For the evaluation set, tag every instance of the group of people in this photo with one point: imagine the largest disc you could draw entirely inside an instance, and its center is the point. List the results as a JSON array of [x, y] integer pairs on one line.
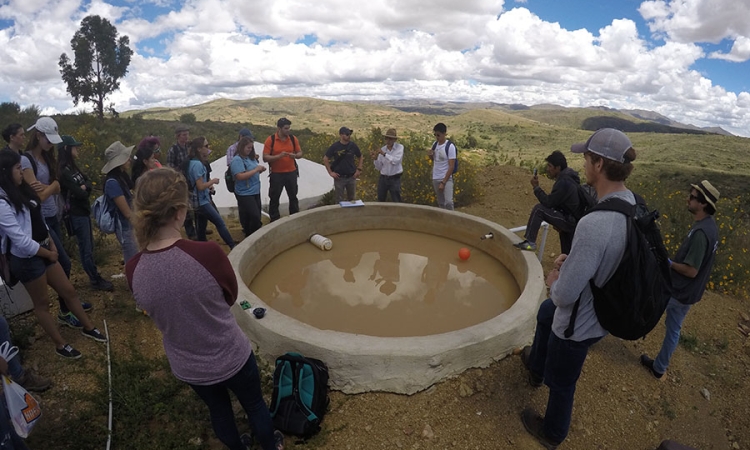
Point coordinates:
[[595, 251]]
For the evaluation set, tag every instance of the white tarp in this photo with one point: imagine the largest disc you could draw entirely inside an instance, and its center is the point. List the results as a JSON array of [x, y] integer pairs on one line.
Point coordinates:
[[313, 183]]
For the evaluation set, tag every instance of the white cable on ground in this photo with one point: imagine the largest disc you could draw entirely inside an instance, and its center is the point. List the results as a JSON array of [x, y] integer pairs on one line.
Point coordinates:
[[109, 377]]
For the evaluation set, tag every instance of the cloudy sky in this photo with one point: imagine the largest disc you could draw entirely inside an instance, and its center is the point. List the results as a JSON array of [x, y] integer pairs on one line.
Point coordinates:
[[686, 59]]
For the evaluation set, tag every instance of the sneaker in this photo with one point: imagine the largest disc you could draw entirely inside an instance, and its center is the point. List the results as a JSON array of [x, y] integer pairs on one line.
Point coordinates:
[[70, 320], [68, 352], [534, 424], [87, 306], [100, 284], [526, 245], [94, 334], [33, 382], [534, 379], [247, 440], [649, 364], [278, 439]]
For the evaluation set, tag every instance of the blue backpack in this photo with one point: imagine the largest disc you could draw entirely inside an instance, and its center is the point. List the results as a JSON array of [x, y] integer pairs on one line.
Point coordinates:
[[448, 143], [300, 394], [104, 215]]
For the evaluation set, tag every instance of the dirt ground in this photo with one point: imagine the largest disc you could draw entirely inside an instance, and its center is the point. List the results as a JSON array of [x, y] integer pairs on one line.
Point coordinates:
[[703, 400]]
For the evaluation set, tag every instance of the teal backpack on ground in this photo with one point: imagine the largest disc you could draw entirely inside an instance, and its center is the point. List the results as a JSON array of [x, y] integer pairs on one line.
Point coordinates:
[[300, 394]]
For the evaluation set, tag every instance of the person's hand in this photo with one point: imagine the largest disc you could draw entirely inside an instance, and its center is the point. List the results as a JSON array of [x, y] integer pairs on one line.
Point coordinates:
[[535, 181], [430, 153], [552, 277], [333, 175], [560, 260], [83, 186], [374, 154], [214, 181], [37, 186], [261, 169], [52, 256], [441, 186]]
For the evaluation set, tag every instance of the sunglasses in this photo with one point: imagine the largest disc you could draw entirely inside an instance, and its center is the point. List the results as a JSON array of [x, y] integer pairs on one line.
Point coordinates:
[[694, 197]]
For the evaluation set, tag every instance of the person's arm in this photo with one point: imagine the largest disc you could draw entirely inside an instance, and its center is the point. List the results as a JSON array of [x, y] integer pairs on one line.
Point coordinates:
[[239, 172], [359, 165], [296, 149], [24, 246], [213, 258], [68, 183], [691, 264], [197, 172], [327, 163], [396, 155], [561, 193], [171, 160], [267, 156], [122, 205], [44, 191], [451, 161]]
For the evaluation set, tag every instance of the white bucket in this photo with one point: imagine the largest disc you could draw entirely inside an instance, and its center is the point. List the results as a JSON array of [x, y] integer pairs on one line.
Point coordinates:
[[321, 242]]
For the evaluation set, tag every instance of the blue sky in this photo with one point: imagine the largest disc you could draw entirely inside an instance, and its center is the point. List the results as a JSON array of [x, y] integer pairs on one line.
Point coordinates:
[[685, 59]]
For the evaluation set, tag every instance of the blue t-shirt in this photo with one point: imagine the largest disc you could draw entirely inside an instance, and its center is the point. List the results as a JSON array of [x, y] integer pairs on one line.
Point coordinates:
[[112, 190], [196, 170], [251, 186], [49, 206]]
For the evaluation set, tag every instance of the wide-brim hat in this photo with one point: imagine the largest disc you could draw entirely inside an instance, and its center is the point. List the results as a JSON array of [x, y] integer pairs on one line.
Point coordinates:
[[116, 155], [391, 133], [709, 192]]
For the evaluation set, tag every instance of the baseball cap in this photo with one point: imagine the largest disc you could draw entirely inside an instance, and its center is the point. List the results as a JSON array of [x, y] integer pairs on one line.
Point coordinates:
[[247, 133], [69, 141], [345, 130], [48, 126], [607, 142]]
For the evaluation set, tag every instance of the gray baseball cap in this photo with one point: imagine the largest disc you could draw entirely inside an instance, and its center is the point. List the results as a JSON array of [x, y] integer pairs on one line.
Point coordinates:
[[607, 142]]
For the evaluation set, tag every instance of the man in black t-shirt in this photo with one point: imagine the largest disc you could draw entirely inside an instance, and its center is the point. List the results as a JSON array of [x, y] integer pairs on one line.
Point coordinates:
[[343, 160]]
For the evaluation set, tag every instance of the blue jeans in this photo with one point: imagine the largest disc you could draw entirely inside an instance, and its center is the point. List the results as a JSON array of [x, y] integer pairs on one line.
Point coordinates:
[[676, 313], [14, 365], [126, 238], [81, 226], [246, 387], [560, 361], [208, 212]]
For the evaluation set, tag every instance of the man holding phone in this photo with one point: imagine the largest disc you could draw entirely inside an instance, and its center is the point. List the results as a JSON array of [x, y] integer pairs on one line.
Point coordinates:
[[559, 208]]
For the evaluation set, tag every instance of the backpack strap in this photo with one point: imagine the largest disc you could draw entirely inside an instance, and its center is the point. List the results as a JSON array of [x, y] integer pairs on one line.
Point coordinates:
[[273, 141], [32, 161]]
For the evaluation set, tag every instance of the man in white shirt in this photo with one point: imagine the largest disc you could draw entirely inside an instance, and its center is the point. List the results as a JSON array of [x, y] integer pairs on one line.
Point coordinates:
[[388, 162], [443, 156]]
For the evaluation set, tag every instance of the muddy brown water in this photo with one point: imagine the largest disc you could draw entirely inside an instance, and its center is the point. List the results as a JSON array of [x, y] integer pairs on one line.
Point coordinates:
[[387, 283]]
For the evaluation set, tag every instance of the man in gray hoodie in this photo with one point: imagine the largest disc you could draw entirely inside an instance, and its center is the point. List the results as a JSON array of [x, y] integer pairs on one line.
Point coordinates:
[[559, 208], [598, 246]]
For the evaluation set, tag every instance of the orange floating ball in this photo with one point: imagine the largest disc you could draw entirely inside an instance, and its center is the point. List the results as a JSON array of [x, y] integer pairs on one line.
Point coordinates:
[[464, 253]]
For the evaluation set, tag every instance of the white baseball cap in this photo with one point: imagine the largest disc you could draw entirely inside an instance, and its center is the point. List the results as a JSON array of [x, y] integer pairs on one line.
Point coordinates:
[[48, 126]]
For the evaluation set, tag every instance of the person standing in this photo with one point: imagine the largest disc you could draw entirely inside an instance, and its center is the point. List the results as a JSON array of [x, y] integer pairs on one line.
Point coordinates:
[[690, 270], [232, 149], [281, 151], [246, 172], [76, 190], [15, 136], [118, 187], [343, 160], [388, 162], [177, 157], [556, 357], [443, 155], [204, 345], [559, 208]]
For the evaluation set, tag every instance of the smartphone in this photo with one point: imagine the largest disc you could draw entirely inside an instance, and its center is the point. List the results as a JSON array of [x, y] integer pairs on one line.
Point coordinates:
[[535, 172]]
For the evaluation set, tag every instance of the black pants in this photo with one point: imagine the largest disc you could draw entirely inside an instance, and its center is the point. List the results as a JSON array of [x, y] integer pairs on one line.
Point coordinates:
[[278, 182], [249, 210], [190, 225], [562, 222]]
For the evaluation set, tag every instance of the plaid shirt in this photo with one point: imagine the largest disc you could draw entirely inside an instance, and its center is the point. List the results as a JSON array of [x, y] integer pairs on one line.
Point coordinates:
[[176, 156]]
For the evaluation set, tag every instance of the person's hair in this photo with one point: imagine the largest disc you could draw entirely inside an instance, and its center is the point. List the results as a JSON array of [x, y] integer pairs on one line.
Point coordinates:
[[18, 196], [47, 155], [159, 194], [194, 151], [281, 123], [10, 131], [707, 208], [65, 159], [557, 159], [244, 142], [615, 170], [139, 165], [440, 128], [150, 142]]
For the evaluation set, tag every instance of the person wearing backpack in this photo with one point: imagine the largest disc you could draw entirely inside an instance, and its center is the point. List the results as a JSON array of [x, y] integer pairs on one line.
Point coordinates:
[[690, 270], [191, 307], [76, 189], [281, 151], [232, 149], [177, 157], [246, 173], [118, 188], [558, 208], [443, 155], [343, 160], [556, 357]]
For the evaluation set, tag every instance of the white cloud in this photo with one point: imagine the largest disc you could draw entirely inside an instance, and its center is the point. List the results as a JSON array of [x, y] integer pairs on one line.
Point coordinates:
[[448, 50]]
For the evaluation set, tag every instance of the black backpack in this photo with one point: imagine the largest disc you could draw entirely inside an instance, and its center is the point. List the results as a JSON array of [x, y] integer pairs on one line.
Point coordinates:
[[229, 179], [300, 394], [448, 143], [586, 200], [632, 301]]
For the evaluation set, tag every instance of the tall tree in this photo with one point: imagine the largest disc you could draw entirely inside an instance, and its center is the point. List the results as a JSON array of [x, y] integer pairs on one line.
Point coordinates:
[[100, 60]]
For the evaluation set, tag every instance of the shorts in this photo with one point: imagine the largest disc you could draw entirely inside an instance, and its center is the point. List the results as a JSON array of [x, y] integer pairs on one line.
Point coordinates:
[[28, 269]]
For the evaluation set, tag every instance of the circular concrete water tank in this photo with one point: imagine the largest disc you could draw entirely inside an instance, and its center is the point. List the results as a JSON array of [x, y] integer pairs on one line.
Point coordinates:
[[360, 363]]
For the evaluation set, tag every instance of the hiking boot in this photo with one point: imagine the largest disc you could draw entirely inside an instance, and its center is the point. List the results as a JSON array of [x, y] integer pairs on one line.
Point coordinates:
[[94, 334], [33, 382], [68, 352], [534, 379], [534, 424], [100, 284], [278, 439], [526, 245], [69, 319], [649, 364]]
